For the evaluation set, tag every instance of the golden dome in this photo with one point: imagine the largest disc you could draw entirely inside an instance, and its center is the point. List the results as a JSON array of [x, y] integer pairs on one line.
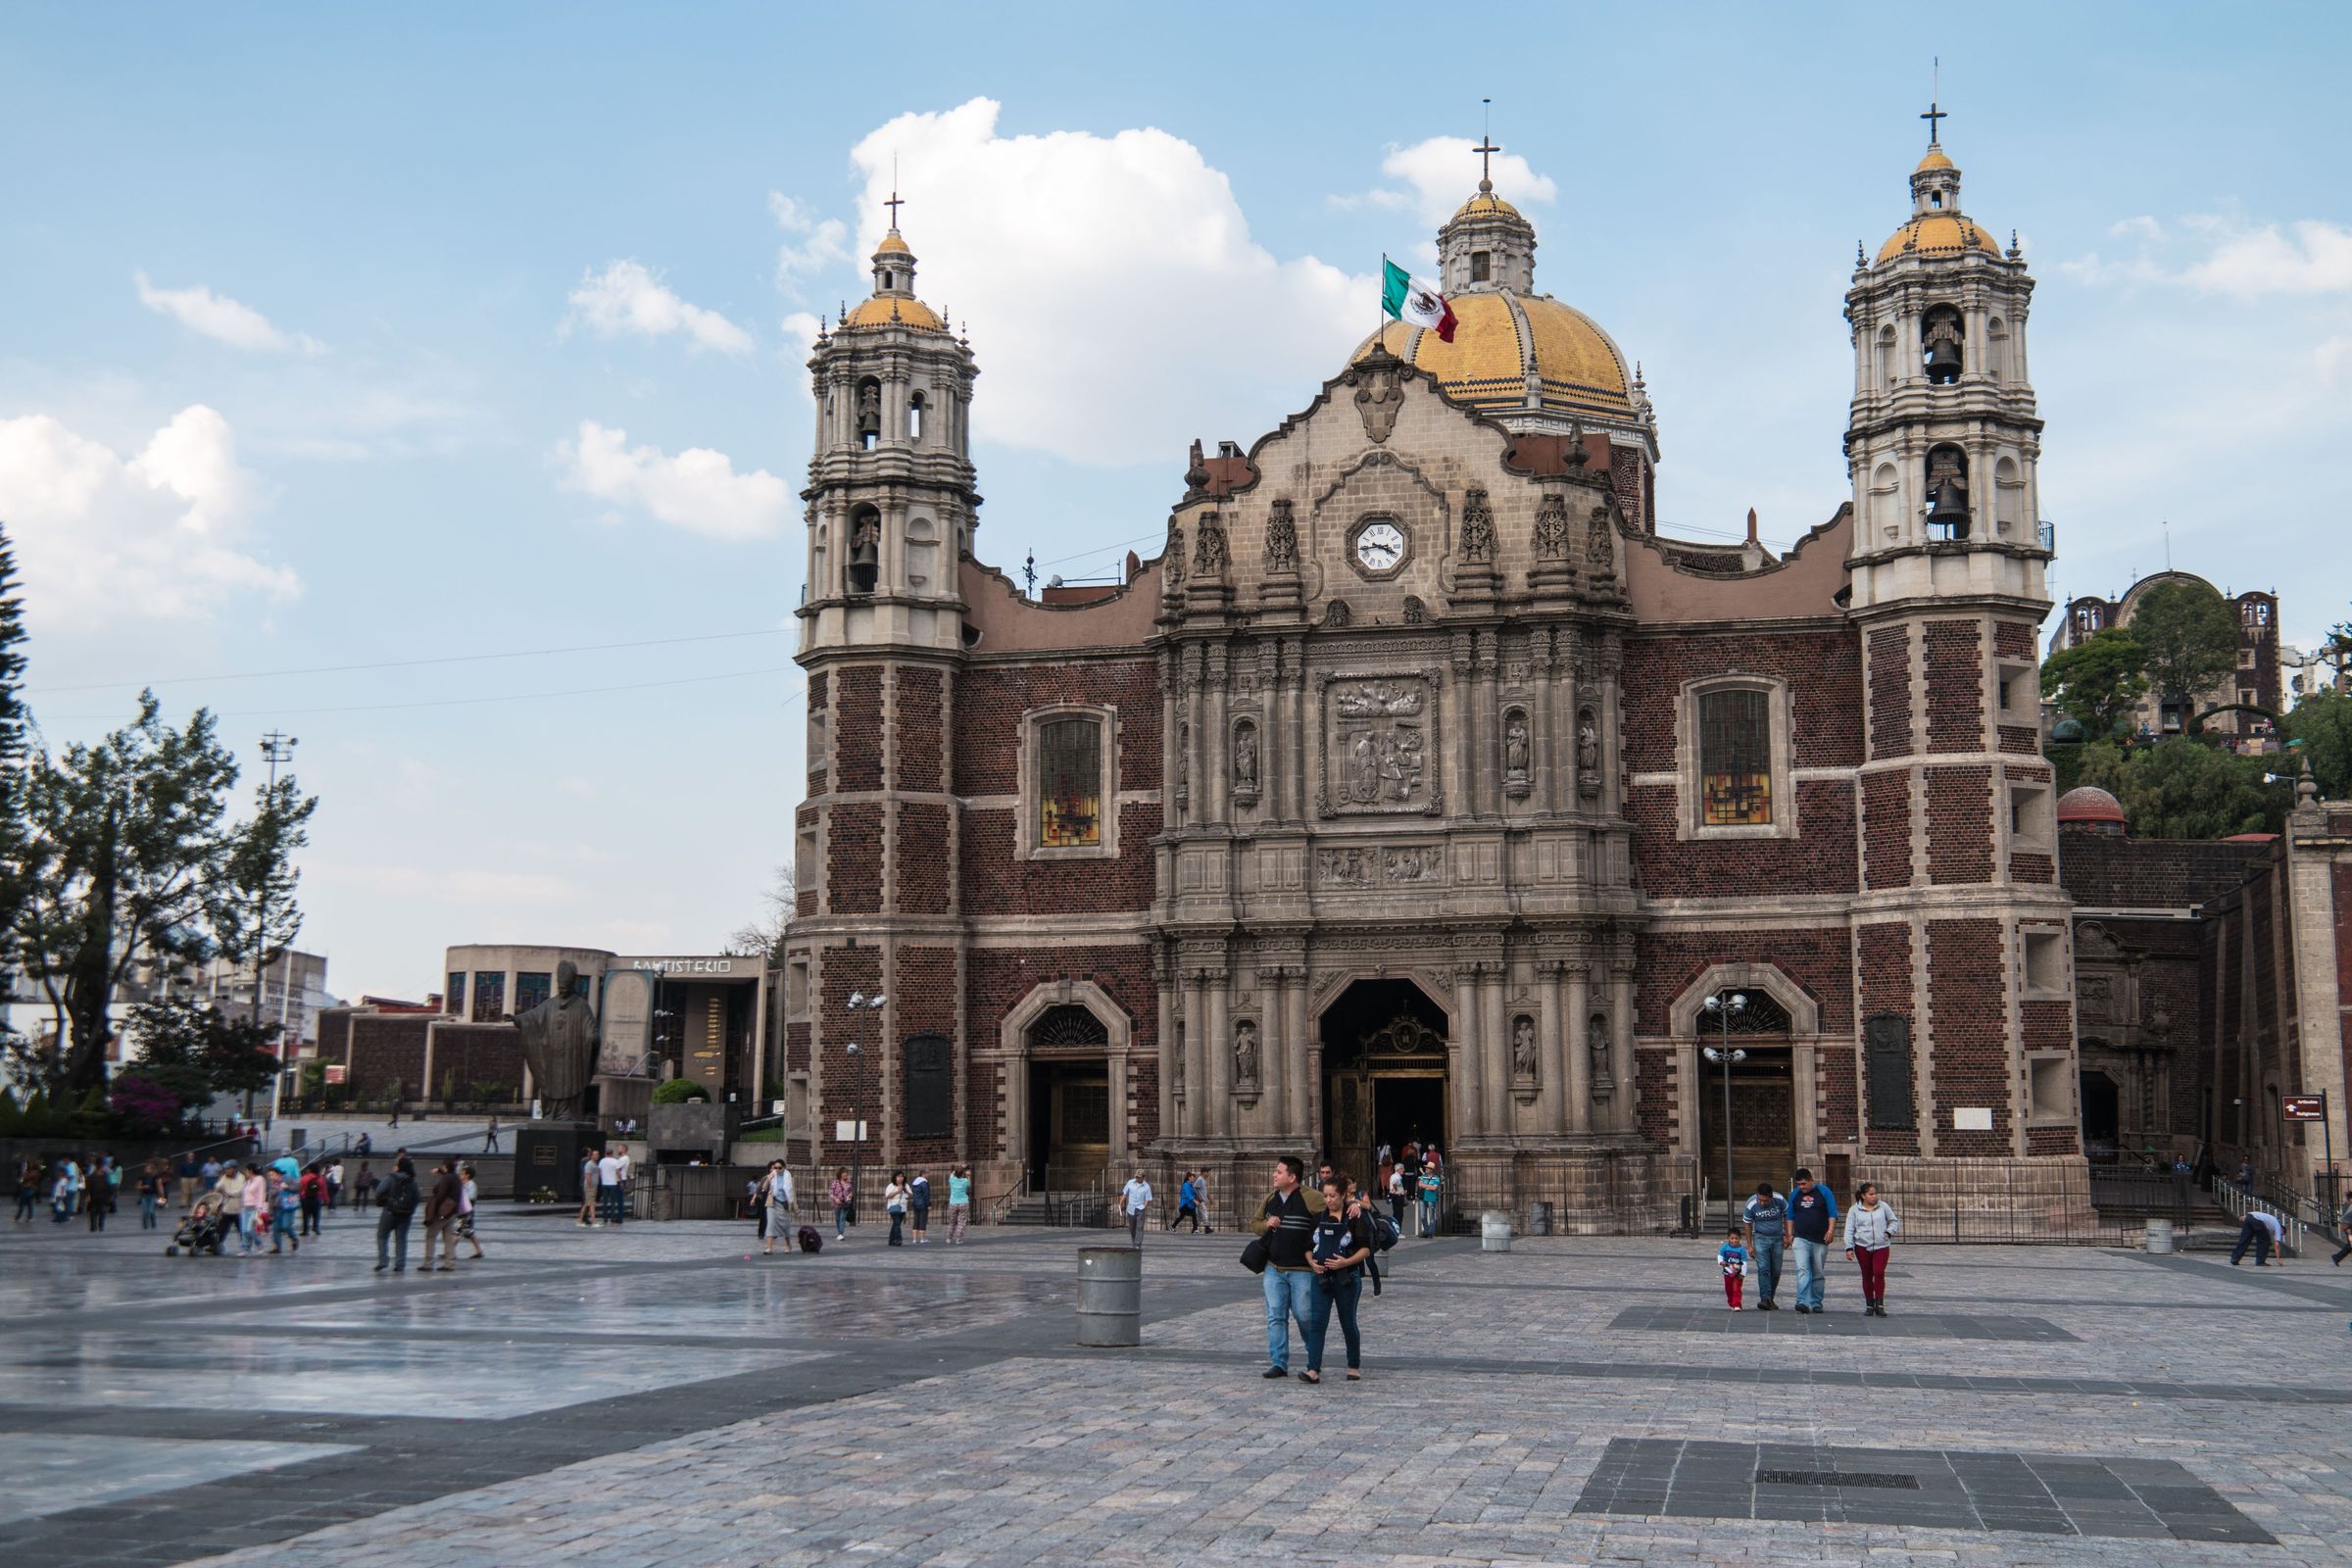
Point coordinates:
[[892, 242], [1935, 159], [888, 310], [1486, 204], [1499, 337], [1937, 234]]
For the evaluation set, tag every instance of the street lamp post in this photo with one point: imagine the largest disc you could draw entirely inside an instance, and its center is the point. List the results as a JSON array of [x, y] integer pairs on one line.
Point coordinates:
[[277, 748], [1723, 1006], [860, 1001]]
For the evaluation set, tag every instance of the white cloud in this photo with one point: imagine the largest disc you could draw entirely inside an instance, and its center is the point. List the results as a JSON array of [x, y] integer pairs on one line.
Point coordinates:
[[2219, 254], [1437, 172], [2332, 358], [222, 319], [628, 296], [697, 490], [815, 243], [103, 539], [1116, 301]]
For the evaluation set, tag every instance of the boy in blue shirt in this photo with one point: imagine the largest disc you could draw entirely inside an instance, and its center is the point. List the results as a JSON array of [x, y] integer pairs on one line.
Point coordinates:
[[1732, 1257]]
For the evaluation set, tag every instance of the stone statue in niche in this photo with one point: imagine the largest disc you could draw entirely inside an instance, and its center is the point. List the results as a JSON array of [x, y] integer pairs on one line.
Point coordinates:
[[1244, 1054], [1600, 556], [1478, 529], [1244, 758], [1208, 547], [1523, 1047], [2160, 1019], [1337, 613], [1597, 1042], [1514, 744], [1415, 611], [1282, 539], [1378, 397], [1588, 754], [1551, 529], [1184, 760], [1173, 557]]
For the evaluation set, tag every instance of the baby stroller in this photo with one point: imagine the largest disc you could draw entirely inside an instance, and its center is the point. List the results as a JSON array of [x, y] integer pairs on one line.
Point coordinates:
[[201, 1232]]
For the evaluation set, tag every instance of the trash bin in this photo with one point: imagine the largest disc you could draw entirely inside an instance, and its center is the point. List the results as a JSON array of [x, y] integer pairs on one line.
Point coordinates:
[[1539, 1219], [1110, 1295], [2160, 1236], [1494, 1231]]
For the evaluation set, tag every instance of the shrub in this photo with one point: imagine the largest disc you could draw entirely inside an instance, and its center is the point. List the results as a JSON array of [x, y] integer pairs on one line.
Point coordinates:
[[143, 1106], [679, 1091]]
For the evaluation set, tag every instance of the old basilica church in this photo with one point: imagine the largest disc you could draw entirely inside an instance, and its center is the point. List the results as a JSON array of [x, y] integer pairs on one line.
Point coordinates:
[[1420, 789]]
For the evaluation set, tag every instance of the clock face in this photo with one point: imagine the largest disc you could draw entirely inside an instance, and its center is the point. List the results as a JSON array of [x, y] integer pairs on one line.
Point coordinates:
[[1379, 546]]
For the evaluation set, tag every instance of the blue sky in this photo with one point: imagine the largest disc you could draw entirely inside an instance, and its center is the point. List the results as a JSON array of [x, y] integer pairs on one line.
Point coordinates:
[[344, 337]]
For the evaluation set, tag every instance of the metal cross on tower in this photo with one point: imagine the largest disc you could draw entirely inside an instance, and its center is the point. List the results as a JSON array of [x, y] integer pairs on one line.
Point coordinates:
[[1935, 114], [896, 202], [1486, 148]]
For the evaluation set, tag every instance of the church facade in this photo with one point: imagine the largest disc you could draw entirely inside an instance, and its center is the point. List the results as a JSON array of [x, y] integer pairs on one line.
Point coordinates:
[[1419, 788]]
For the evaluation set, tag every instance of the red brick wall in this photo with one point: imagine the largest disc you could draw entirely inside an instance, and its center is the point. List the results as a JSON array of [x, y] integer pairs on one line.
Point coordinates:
[[388, 1050], [1821, 860], [920, 725], [922, 867], [847, 970], [1814, 957], [1886, 829], [478, 1053], [1840, 1093], [795, 1047], [1824, 688], [1656, 1114], [1971, 1055], [989, 700], [857, 728], [1890, 692], [996, 883], [2025, 866], [1884, 951], [1959, 825], [1955, 687], [2014, 639], [2021, 740], [853, 860], [924, 1000], [2053, 1141]]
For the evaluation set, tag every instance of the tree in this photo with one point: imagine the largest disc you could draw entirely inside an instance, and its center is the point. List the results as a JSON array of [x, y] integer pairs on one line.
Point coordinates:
[[193, 1050], [252, 912], [2189, 635], [2322, 722], [766, 934], [2098, 682], [2182, 788], [131, 861]]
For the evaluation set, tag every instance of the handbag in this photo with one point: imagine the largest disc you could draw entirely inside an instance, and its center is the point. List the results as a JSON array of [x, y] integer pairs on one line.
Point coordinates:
[[1254, 1256]]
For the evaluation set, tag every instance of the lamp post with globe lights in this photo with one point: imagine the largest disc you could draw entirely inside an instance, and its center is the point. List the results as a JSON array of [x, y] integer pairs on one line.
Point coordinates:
[[858, 1001], [1723, 1006]]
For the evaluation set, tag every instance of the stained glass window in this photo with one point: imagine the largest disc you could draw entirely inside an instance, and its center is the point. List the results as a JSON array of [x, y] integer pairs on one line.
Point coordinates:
[[1069, 773], [489, 996], [454, 1003], [530, 990], [1735, 759]]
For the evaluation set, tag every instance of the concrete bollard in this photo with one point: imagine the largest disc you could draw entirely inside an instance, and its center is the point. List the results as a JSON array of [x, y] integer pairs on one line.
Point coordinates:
[[1539, 1219], [2160, 1236], [1110, 1295], [1494, 1231]]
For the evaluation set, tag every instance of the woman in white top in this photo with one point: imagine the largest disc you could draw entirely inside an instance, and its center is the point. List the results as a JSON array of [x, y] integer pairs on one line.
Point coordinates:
[[1871, 1227], [775, 1190], [894, 1199]]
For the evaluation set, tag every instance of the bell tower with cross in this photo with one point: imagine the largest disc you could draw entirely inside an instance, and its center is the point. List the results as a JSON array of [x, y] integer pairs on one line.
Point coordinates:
[[1487, 245], [1961, 927]]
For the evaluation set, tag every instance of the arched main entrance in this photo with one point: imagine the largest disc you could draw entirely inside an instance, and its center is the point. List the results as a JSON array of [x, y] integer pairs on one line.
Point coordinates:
[[1384, 1073]]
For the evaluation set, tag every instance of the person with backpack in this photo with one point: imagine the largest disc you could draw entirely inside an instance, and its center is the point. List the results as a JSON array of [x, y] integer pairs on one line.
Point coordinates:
[[1338, 1256], [396, 1205], [312, 1190], [285, 1211], [918, 1206]]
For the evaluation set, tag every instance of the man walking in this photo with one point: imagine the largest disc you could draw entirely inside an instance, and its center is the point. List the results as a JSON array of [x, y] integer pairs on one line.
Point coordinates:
[[490, 1138], [608, 1188], [591, 1190], [1137, 1196], [1188, 1205], [1768, 1233], [1288, 1223], [396, 1202], [441, 1217], [1811, 1210], [2260, 1231]]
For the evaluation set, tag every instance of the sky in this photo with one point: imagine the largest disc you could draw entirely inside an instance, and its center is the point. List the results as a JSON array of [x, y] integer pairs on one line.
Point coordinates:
[[428, 383]]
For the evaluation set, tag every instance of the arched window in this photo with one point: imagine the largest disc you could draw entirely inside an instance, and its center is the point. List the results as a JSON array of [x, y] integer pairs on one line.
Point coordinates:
[[870, 413], [1068, 1024], [922, 551], [1734, 758], [1947, 493], [2008, 495], [914, 418], [865, 549], [1761, 1014], [1996, 349], [1888, 370], [1885, 503], [1940, 333], [1070, 779]]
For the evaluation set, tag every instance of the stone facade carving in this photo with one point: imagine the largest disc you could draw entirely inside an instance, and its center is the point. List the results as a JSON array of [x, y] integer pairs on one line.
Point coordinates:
[[1282, 539], [1415, 611], [1596, 1045], [1337, 613], [1600, 551], [1245, 759], [1514, 745], [1208, 546], [1172, 559], [1418, 863], [1551, 528], [1478, 529], [1523, 1048], [1378, 398], [1588, 754], [1377, 755]]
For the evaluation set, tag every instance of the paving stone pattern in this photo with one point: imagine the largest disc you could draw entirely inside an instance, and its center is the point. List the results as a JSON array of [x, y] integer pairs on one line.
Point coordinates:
[[666, 1396]]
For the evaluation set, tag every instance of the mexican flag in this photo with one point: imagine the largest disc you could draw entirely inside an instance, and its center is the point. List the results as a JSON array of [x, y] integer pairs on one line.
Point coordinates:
[[1413, 302]]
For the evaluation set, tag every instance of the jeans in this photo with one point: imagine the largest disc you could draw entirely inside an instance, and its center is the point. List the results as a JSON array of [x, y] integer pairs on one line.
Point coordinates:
[[1336, 1293], [1289, 1296], [607, 1203], [25, 1198], [841, 1222], [1429, 1217], [1135, 1227], [1812, 1272], [1396, 1214], [2256, 1234], [1873, 1262], [281, 1228], [248, 1220], [147, 1202], [897, 1227], [1768, 1256], [390, 1228]]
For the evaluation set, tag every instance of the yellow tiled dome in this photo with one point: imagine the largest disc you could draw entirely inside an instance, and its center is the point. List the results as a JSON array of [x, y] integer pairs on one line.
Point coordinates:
[[892, 242], [1486, 204], [886, 309], [1499, 337], [1939, 234]]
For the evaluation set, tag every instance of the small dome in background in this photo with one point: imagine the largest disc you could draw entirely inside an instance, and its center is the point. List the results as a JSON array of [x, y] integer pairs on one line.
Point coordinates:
[[2087, 808], [2067, 731]]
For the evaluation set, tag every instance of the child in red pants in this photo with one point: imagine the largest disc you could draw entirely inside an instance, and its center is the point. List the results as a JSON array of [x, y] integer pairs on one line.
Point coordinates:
[[1732, 1256]]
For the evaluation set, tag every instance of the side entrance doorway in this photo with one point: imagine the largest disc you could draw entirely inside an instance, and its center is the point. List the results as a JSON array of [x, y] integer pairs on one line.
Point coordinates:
[[1763, 1120], [1384, 1074]]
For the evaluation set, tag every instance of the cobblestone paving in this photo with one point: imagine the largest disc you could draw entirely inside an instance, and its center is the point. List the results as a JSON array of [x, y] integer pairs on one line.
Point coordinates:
[[660, 1396]]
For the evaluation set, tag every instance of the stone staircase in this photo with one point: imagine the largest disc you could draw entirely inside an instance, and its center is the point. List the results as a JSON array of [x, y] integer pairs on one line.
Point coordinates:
[[1080, 1209]]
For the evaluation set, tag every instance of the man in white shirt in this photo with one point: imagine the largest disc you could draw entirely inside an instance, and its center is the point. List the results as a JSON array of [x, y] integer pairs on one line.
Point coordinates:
[[1137, 1196], [608, 1188], [2261, 1232]]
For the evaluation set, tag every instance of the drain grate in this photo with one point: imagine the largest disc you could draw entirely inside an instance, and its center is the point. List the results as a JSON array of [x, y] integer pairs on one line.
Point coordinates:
[[1838, 1478]]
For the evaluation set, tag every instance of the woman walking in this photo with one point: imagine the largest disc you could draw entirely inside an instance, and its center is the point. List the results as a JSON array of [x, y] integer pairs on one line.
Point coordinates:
[[843, 1196], [152, 1177], [775, 1214], [465, 1194], [959, 1202], [1342, 1245], [100, 1201], [362, 1187], [893, 1203], [253, 1208], [1871, 1227], [312, 1191]]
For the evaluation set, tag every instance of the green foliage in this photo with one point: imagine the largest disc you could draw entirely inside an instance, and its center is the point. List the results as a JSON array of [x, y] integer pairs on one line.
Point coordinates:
[[2098, 682], [2189, 635], [12, 1116], [195, 1050], [679, 1091], [2323, 724], [2182, 788]]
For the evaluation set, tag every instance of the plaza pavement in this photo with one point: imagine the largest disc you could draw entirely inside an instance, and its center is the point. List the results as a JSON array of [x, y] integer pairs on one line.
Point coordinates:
[[654, 1396]]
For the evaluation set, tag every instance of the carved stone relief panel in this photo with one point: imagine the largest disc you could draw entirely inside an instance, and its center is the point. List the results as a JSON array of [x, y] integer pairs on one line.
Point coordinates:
[[1380, 744]]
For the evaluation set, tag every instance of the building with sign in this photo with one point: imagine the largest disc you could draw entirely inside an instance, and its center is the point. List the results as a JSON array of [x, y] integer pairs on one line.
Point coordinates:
[[1422, 787]]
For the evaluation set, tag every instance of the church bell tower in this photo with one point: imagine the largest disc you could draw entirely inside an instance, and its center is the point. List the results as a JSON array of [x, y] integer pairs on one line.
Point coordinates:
[[1961, 931], [891, 510]]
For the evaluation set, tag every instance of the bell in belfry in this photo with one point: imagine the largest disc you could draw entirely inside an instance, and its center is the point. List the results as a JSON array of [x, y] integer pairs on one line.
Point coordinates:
[[1943, 361], [1947, 508]]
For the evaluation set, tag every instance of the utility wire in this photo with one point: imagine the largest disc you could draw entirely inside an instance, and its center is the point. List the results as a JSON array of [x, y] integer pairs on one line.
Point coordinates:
[[509, 697]]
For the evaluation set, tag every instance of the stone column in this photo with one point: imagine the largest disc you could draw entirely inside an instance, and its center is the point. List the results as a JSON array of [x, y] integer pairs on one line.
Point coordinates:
[[1551, 1055], [1293, 675], [1304, 1064], [1621, 1043], [1569, 656], [1219, 1048], [1487, 761], [1546, 721], [1611, 755], [1468, 1062], [1495, 1046], [1213, 743], [1273, 1050], [1461, 732], [1196, 1071], [1195, 754], [1162, 972], [1119, 1142], [1578, 975]]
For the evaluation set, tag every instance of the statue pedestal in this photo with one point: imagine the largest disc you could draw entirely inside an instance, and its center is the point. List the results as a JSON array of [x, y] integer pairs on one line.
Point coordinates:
[[547, 1155]]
